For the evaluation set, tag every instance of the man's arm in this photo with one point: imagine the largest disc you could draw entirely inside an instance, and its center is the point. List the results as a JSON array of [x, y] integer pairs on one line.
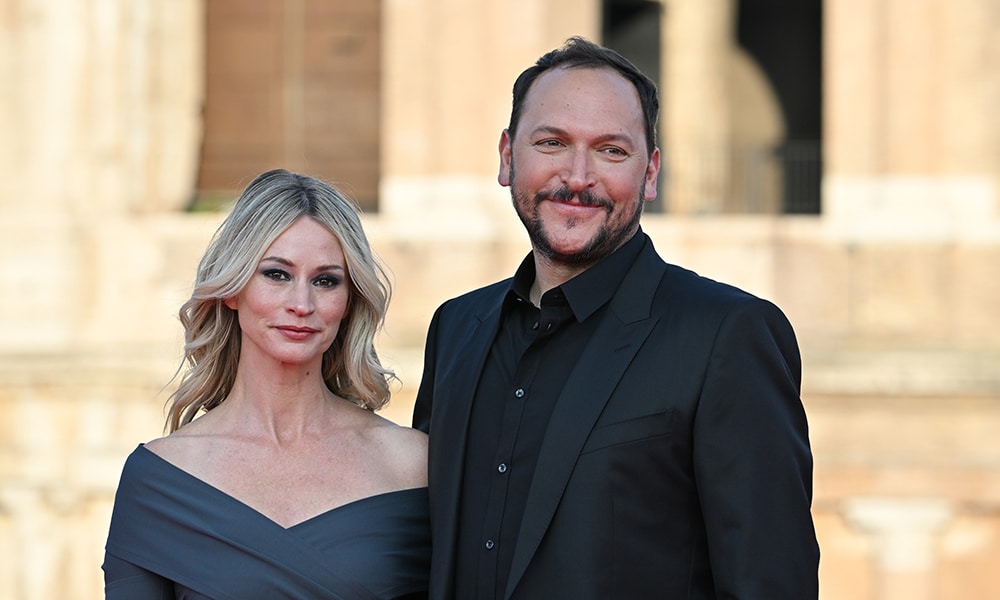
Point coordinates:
[[425, 393], [752, 460]]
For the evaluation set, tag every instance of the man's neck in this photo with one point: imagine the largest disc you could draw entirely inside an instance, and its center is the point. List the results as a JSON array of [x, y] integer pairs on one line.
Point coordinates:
[[550, 274]]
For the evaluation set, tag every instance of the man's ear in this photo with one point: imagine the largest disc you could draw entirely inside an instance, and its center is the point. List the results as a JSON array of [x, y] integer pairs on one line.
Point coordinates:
[[652, 174], [503, 177]]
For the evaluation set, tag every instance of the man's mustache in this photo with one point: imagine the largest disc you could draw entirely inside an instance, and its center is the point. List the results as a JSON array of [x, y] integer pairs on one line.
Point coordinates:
[[564, 194]]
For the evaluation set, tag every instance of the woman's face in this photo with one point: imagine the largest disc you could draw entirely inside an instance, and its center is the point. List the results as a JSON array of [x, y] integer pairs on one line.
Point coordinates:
[[291, 309]]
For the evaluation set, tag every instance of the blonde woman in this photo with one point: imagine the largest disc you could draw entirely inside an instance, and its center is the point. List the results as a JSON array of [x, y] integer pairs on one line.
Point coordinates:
[[277, 478]]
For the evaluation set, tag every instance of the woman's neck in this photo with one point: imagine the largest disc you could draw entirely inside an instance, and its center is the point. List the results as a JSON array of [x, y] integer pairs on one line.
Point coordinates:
[[281, 402]]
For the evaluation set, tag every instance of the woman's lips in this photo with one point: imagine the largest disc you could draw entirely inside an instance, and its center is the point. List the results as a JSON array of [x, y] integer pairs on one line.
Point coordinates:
[[296, 332]]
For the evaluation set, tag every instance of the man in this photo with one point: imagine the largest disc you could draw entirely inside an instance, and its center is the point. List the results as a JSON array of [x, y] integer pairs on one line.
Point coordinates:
[[604, 425]]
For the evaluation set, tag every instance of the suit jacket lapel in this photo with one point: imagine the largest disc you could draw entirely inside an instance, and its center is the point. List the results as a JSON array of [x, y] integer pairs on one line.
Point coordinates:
[[618, 337]]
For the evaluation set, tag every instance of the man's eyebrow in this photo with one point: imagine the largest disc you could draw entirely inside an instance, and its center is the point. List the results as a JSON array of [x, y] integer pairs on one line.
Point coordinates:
[[607, 137]]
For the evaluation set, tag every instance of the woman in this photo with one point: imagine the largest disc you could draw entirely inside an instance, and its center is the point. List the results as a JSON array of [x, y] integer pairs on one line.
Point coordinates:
[[287, 484]]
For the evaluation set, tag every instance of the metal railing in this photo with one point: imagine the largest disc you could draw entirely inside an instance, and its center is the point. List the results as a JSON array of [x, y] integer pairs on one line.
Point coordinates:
[[751, 179]]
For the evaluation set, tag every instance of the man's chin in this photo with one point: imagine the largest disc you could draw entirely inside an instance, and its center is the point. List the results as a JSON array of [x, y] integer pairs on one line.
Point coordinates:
[[569, 253]]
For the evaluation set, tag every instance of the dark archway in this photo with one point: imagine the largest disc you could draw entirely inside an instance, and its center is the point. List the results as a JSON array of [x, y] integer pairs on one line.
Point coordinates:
[[632, 27], [785, 38]]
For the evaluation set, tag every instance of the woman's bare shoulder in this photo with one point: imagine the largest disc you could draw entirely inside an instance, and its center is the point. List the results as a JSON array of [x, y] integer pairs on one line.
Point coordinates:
[[405, 449], [182, 447], [403, 434]]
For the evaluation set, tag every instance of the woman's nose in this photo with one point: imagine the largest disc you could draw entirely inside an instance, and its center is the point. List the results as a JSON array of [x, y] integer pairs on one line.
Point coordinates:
[[301, 299]]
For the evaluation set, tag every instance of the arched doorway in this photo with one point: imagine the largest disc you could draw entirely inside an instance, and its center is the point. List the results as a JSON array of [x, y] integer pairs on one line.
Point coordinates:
[[291, 84], [769, 158], [785, 38]]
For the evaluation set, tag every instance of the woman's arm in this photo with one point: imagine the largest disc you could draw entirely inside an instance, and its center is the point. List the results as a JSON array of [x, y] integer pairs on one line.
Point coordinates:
[[125, 581]]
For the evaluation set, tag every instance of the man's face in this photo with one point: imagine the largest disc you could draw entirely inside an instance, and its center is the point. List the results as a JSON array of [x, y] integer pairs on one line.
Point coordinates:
[[581, 164]]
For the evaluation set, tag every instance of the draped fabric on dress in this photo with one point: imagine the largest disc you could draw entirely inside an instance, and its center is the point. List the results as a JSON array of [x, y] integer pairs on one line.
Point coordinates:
[[174, 536]]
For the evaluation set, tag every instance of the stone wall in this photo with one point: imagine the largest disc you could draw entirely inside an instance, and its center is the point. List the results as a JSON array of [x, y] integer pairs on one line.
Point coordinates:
[[893, 290]]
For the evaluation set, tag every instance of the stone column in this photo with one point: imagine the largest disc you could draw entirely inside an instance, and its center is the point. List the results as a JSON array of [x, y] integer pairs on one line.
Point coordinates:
[[695, 127], [101, 107], [905, 533], [908, 116], [35, 543]]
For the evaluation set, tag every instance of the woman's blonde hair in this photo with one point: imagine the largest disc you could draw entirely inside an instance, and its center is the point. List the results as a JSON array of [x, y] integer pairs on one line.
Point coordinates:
[[265, 209]]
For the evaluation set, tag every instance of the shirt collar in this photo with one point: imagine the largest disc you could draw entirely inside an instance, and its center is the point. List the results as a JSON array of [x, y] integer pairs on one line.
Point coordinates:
[[591, 289]]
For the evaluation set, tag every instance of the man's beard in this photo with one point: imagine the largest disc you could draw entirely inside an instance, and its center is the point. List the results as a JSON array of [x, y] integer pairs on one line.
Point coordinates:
[[606, 241]]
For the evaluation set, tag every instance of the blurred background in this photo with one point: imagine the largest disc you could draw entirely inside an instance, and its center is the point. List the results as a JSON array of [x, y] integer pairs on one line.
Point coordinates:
[[839, 157]]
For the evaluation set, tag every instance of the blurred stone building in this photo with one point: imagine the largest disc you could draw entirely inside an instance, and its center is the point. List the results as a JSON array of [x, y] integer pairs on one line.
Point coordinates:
[[840, 157]]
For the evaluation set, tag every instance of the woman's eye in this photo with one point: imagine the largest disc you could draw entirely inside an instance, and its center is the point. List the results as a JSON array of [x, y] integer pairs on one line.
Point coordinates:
[[275, 274], [327, 281]]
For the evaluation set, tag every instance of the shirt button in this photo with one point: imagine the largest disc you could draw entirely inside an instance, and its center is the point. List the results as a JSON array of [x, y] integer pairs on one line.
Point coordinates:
[[519, 393], [489, 544], [502, 468], [535, 326]]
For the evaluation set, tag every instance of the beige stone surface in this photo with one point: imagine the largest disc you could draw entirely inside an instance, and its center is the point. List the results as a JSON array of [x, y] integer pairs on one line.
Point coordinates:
[[894, 289]]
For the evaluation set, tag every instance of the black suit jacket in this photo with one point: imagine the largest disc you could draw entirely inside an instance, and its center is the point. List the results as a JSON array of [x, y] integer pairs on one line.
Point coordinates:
[[676, 463]]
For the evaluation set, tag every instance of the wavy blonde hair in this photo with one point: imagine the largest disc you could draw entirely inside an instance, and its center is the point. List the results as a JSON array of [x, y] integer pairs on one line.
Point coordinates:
[[265, 209]]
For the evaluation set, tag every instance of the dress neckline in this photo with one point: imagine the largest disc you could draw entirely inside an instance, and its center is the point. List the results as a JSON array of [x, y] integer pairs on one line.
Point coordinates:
[[340, 508]]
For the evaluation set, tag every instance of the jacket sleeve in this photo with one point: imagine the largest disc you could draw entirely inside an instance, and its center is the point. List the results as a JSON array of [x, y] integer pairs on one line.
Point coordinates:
[[425, 393], [753, 465]]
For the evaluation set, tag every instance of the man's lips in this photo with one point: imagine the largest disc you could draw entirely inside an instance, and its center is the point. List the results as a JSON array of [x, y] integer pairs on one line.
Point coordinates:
[[577, 205], [571, 202]]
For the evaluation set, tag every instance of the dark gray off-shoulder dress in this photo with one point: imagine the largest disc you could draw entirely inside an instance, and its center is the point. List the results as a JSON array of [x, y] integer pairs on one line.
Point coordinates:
[[174, 536]]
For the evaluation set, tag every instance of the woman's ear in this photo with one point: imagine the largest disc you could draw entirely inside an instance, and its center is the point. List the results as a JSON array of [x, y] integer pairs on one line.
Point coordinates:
[[230, 302]]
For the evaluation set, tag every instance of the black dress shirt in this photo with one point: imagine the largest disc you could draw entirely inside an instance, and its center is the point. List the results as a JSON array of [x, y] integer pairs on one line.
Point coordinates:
[[532, 355]]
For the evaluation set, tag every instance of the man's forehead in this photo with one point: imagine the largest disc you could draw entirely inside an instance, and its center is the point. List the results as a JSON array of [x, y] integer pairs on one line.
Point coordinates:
[[597, 91]]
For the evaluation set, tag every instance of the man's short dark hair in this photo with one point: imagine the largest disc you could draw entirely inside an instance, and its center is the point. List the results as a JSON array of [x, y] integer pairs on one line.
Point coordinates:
[[578, 52]]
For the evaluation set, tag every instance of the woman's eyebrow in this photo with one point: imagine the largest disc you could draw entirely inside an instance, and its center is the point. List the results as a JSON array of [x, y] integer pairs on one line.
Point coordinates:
[[288, 263]]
